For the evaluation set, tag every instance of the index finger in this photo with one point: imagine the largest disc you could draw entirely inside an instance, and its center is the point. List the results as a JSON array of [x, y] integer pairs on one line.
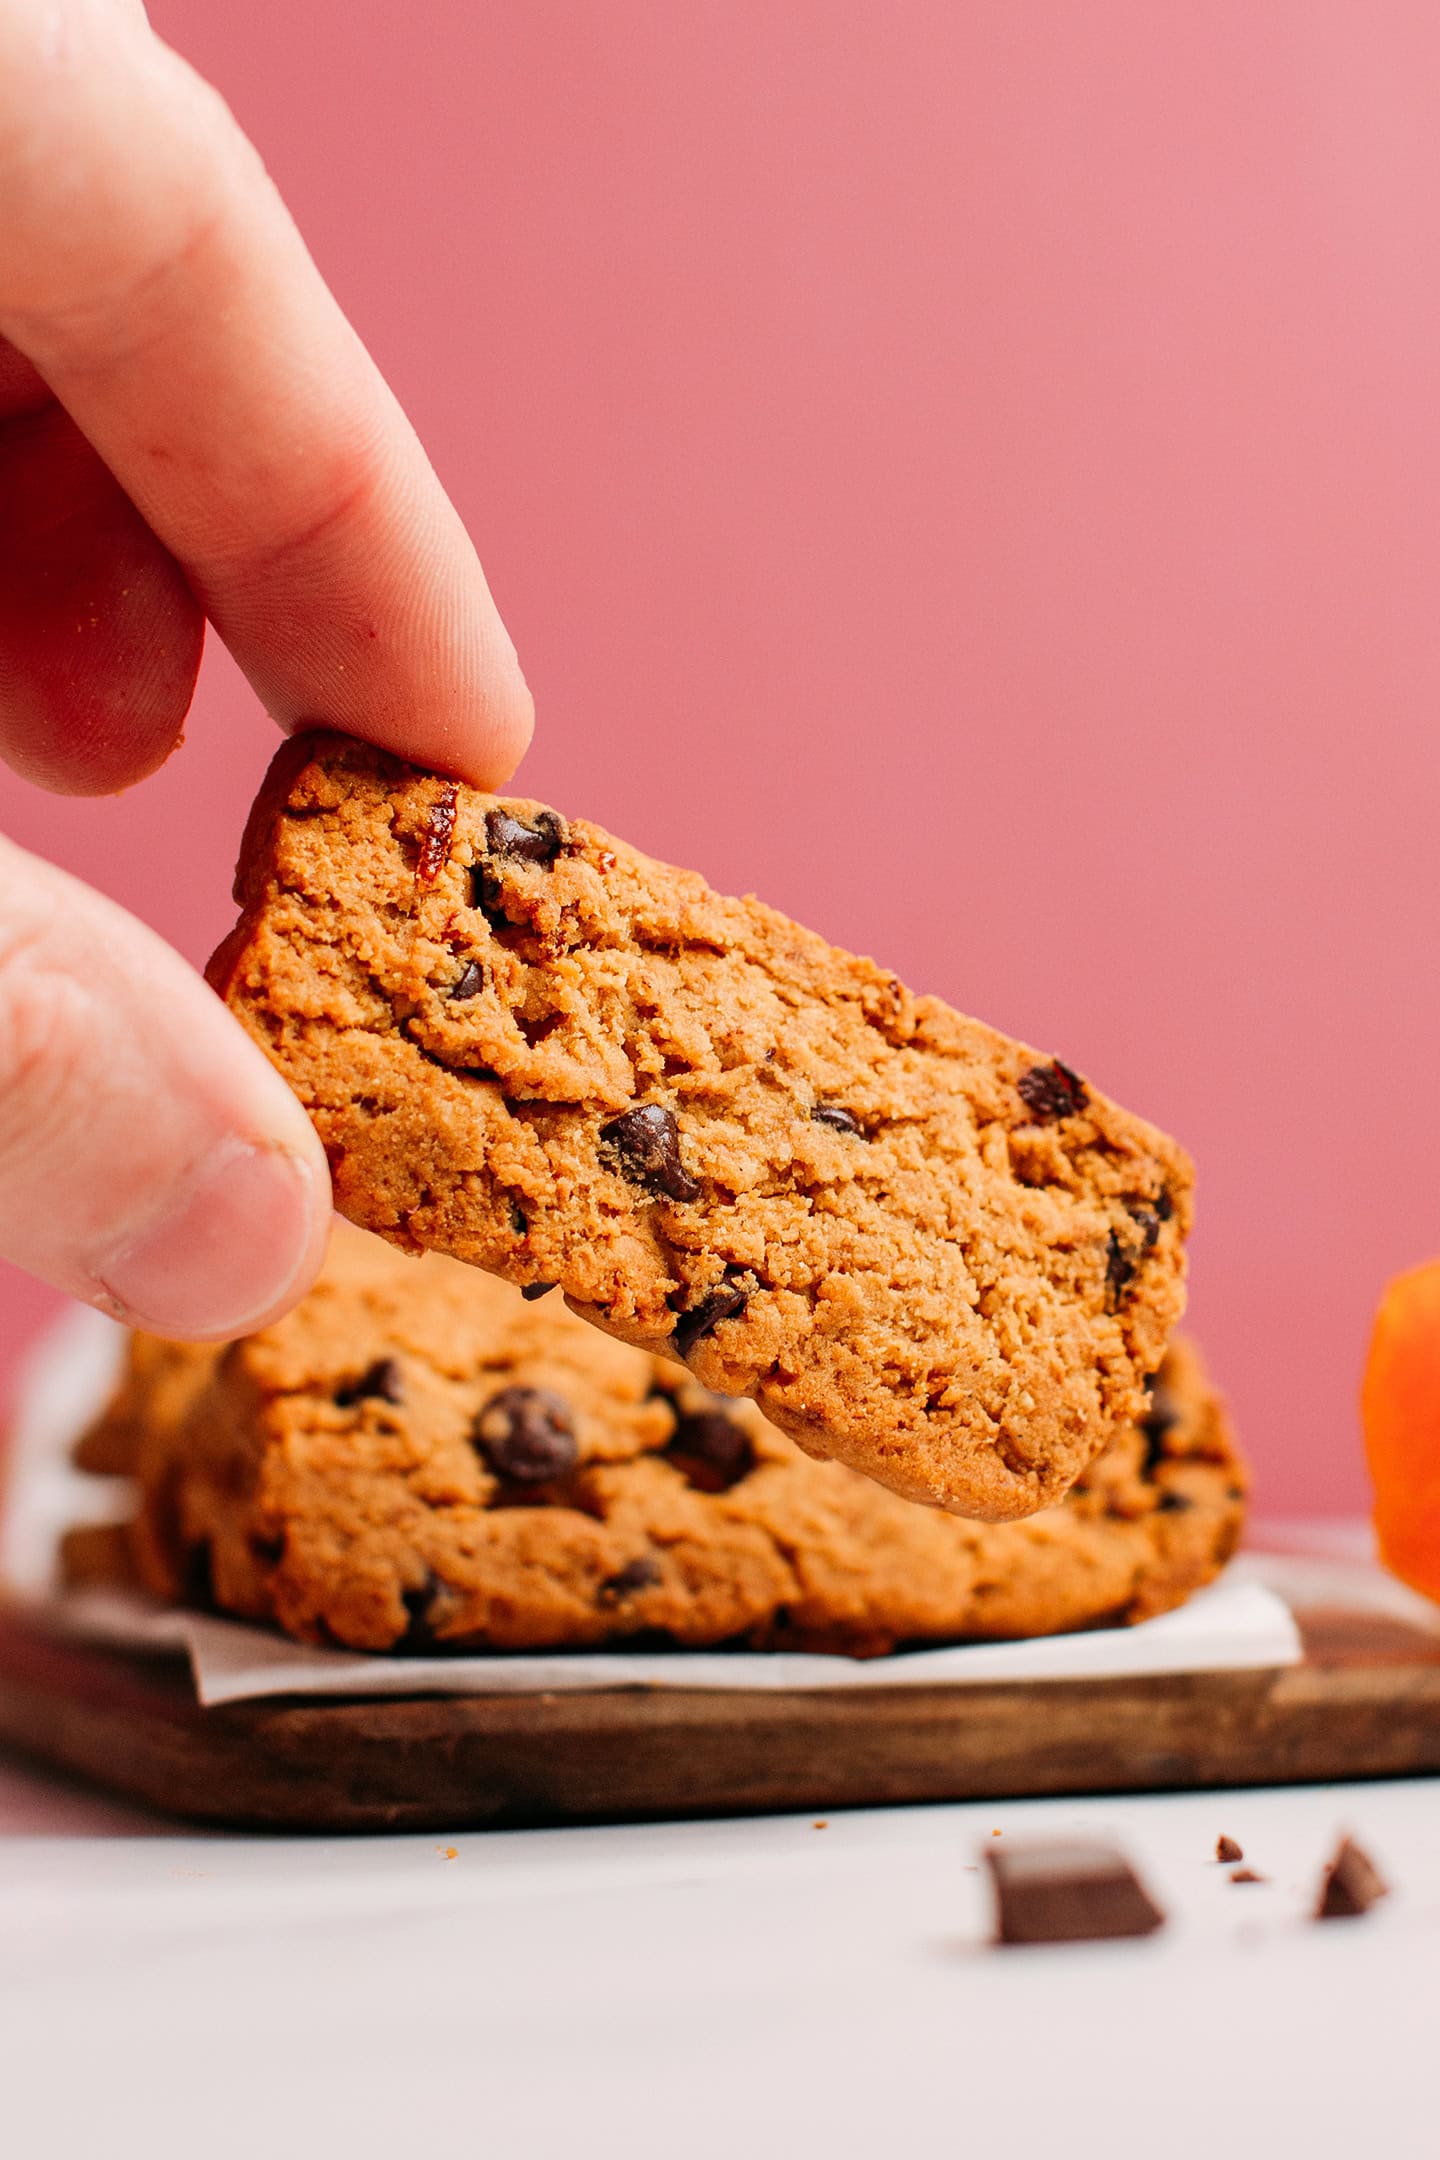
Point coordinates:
[[152, 275]]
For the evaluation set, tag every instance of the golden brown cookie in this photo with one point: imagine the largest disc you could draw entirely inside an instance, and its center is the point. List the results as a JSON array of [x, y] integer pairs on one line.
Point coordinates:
[[923, 1249], [416, 1457]]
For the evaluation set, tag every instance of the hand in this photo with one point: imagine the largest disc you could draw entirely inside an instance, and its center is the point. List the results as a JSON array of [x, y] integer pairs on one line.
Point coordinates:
[[189, 428]]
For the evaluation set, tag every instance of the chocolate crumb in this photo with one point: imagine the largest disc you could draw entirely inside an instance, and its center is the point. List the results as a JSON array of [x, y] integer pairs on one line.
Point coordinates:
[[712, 1450], [1052, 1091], [1246, 1875], [381, 1382], [538, 843], [646, 1144], [838, 1119], [468, 983], [439, 832], [532, 1290], [1067, 1890], [1227, 1850], [527, 1435], [1351, 1885], [724, 1302]]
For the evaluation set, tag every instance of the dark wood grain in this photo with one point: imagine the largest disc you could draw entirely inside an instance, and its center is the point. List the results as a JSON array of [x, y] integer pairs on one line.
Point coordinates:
[[1365, 1703]]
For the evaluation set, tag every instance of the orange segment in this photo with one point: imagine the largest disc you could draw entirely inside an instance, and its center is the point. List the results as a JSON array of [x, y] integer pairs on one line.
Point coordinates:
[[1400, 1410]]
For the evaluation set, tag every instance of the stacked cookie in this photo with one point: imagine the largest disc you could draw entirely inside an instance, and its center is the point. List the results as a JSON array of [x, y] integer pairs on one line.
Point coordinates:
[[421, 1457]]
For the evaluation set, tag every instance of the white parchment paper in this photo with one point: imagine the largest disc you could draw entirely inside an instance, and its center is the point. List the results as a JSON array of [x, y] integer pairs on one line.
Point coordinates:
[[1239, 1624]]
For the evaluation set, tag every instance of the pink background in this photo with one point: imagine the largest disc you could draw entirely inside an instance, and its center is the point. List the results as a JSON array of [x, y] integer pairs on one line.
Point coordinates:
[[971, 474]]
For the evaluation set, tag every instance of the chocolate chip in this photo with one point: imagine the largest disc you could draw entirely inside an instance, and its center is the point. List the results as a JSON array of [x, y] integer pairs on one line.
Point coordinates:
[[437, 836], [526, 1434], [1067, 1890], [1147, 1222], [1173, 1503], [838, 1119], [1352, 1884], [468, 983], [646, 1144], [518, 1222], [532, 1290], [1164, 1206], [1247, 1874], [420, 1603], [712, 1450], [1160, 1419], [1120, 1267], [267, 1551], [537, 843], [382, 1382], [1228, 1851], [1052, 1091], [197, 1577], [641, 1574], [722, 1303]]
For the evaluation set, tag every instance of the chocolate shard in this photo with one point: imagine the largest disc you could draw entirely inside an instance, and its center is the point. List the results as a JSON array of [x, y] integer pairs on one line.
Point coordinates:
[[527, 1435], [1247, 1875], [1052, 1092], [538, 843], [1228, 1850], [380, 1382], [711, 1450], [645, 1142], [1067, 1890], [1351, 1885], [468, 983], [724, 1302], [532, 1290]]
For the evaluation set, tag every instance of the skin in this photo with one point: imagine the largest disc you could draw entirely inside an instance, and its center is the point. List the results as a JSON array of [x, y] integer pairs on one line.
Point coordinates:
[[189, 431]]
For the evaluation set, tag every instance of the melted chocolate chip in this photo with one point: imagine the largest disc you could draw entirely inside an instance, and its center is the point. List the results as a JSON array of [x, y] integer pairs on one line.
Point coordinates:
[[712, 1450], [526, 1434], [537, 843], [1120, 1267], [518, 1222], [1147, 1222], [532, 1290], [1164, 1206], [722, 1303], [1173, 1503], [1052, 1091], [640, 1574], [646, 1144], [838, 1119], [437, 836], [1161, 1418], [381, 1382], [468, 983]]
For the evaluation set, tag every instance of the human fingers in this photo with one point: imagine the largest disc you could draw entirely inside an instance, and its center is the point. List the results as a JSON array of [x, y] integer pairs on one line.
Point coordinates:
[[150, 272], [151, 1162]]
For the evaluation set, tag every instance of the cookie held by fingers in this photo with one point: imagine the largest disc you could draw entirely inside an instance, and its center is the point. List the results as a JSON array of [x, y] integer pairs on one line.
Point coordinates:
[[923, 1249]]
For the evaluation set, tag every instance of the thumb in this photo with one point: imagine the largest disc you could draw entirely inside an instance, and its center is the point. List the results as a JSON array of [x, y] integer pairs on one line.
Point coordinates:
[[151, 1162]]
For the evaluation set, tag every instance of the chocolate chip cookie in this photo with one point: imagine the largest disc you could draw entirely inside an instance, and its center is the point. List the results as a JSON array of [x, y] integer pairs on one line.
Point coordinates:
[[416, 1458], [924, 1250]]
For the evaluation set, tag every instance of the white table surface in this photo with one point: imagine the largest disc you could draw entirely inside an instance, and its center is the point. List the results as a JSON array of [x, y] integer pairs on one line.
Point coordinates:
[[725, 1988]]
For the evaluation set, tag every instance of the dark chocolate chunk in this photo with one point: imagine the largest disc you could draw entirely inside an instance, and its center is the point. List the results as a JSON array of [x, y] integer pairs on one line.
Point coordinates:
[[838, 1119], [537, 843], [268, 1551], [1120, 1267], [420, 1603], [1052, 1091], [1147, 1222], [383, 1382], [438, 834], [526, 1434], [532, 1290], [1228, 1850], [518, 1222], [1164, 1206], [468, 983], [1173, 1503], [1247, 1874], [1352, 1884], [1067, 1890], [722, 1303], [640, 1574], [712, 1450], [197, 1577], [646, 1143]]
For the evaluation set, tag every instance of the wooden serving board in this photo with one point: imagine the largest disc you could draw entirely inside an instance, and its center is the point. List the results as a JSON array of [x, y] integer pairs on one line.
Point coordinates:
[[1364, 1703]]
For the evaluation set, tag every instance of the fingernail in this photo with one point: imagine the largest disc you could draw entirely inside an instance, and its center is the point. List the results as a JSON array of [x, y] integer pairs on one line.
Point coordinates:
[[229, 1248]]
